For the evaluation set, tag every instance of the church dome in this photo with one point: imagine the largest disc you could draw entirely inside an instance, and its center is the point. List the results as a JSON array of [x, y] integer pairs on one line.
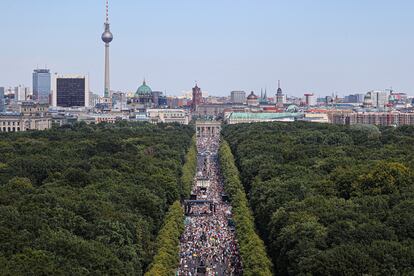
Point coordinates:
[[252, 96], [292, 108], [144, 90]]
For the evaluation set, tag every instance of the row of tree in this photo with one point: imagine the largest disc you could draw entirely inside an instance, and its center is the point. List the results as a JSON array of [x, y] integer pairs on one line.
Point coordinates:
[[189, 170], [87, 199], [167, 259], [327, 199], [252, 250]]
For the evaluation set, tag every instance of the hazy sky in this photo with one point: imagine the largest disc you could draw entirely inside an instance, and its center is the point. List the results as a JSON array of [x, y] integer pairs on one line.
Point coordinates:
[[320, 46]]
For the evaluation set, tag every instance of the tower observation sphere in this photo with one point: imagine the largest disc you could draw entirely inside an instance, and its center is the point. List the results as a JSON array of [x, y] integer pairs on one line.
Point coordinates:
[[107, 36]]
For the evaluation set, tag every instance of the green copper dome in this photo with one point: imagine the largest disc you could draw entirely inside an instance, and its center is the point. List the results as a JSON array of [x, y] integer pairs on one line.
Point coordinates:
[[144, 90]]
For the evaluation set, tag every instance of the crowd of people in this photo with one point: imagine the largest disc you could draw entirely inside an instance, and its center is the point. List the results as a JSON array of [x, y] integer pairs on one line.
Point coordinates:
[[208, 244]]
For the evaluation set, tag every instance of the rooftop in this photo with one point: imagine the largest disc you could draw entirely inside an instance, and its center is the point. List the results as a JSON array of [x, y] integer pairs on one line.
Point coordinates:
[[263, 115]]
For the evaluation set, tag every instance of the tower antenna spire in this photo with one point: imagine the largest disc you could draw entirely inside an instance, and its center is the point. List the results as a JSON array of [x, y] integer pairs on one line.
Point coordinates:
[[107, 11]]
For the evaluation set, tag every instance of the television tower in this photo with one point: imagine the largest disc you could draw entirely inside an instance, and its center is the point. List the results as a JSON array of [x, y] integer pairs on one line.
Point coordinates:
[[107, 37]]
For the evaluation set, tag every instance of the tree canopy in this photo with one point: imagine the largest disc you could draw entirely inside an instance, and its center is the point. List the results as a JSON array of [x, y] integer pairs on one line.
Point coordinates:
[[327, 199], [87, 199]]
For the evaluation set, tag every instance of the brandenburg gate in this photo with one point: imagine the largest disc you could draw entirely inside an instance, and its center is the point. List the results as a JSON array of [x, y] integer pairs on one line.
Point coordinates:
[[208, 128]]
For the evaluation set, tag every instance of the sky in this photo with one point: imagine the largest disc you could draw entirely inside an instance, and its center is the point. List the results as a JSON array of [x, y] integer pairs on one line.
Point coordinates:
[[319, 46]]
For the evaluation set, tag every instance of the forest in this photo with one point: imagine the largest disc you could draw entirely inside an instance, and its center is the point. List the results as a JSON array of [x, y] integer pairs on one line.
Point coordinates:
[[327, 199], [87, 199]]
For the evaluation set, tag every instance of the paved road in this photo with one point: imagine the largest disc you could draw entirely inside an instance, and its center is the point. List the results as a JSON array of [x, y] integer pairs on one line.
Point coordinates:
[[208, 245]]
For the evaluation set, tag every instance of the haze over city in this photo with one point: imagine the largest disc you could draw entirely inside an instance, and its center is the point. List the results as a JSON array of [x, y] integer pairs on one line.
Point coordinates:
[[312, 46]]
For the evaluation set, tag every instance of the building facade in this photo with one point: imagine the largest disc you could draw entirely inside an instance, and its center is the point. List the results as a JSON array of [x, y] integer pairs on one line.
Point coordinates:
[[119, 101], [17, 123], [376, 99], [238, 97], [168, 116], [70, 91], [2, 100], [258, 117], [252, 100], [30, 116], [33, 109], [41, 86], [211, 110], [310, 99], [21, 93], [373, 118], [354, 98]]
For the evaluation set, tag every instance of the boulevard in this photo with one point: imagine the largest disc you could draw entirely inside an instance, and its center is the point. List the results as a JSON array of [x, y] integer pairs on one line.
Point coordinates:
[[208, 244]]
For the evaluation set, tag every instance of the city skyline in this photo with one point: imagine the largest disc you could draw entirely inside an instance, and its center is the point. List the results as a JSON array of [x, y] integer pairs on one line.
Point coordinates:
[[317, 47]]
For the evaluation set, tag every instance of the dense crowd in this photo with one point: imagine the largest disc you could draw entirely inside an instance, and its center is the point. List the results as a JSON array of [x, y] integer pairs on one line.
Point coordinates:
[[208, 244]]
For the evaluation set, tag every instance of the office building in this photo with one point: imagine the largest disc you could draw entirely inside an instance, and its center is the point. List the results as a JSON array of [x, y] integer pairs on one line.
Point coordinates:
[[354, 98], [41, 86], [156, 95], [70, 91], [238, 97], [376, 99], [20, 93]]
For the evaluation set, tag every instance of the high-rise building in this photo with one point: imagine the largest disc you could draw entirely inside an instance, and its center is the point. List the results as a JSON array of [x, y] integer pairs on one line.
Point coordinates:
[[197, 98], [156, 98], [107, 37], [376, 99], [41, 86], [2, 102], [380, 99], [70, 91], [238, 97], [355, 98], [310, 99], [20, 93]]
